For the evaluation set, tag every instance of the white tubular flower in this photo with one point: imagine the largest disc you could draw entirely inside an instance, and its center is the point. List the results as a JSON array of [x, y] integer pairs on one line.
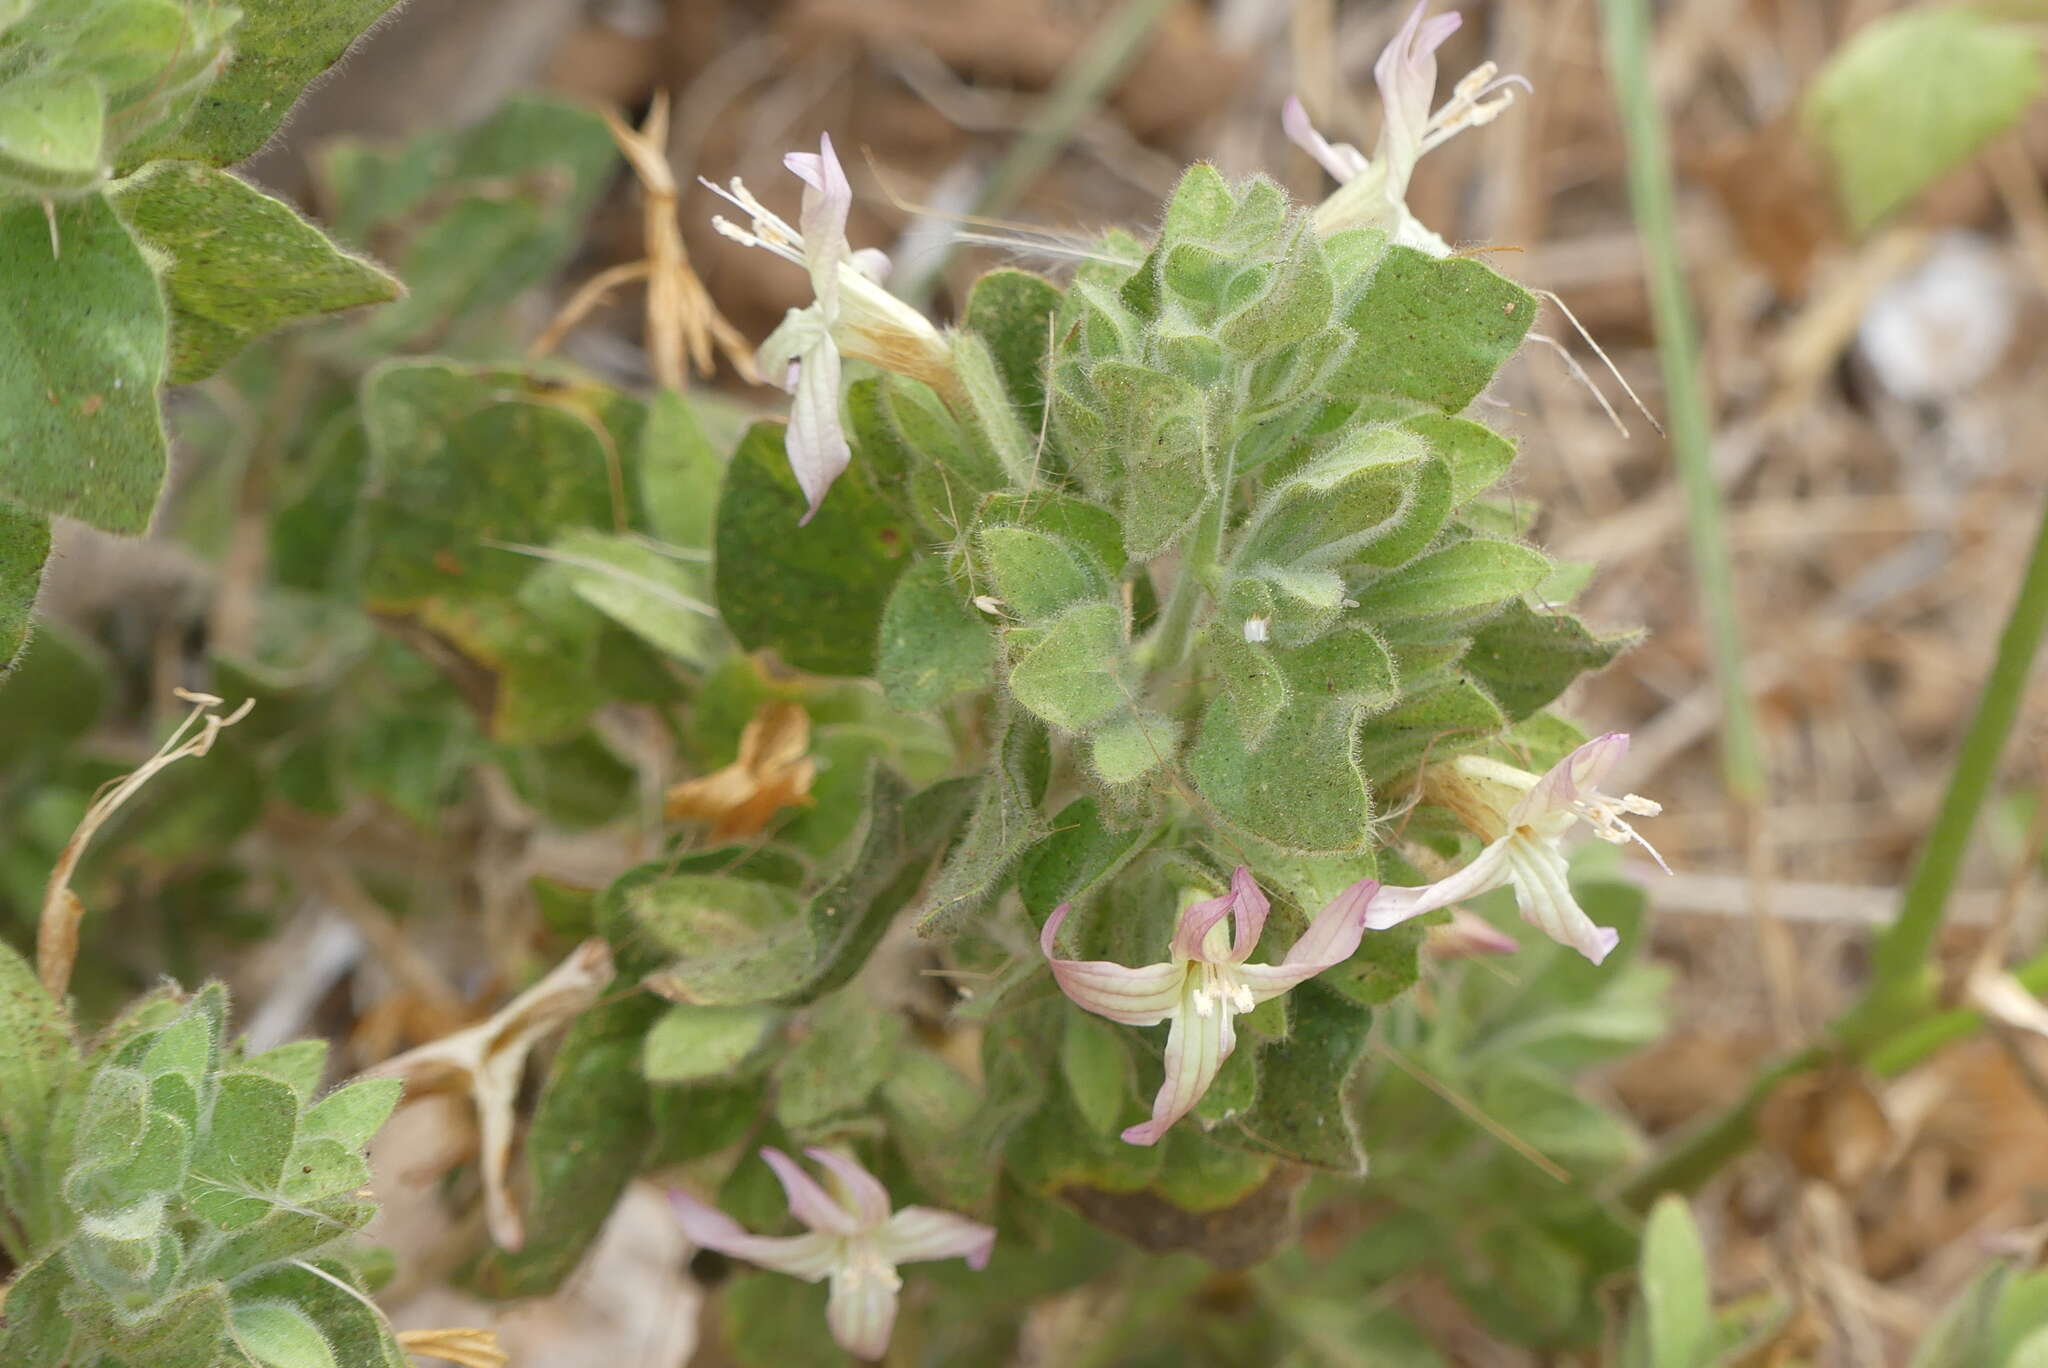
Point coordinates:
[[1205, 983], [853, 1240], [1373, 193], [1525, 818], [852, 315]]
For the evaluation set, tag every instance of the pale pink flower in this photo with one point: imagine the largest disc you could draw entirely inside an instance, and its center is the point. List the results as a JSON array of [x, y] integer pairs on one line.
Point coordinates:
[[1525, 818], [1205, 983], [1373, 192], [853, 1240], [851, 315]]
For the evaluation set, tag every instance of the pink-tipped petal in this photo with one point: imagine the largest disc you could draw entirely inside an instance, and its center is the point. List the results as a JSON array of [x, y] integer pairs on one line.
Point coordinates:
[[809, 1202], [862, 1311], [1191, 932], [810, 1257], [1133, 997], [1465, 935], [816, 443], [1394, 905], [1406, 75], [916, 1234], [1295, 122], [827, 200], [1195, 1050], [1330, 939], [1579, 773], [860, 1191], [1251, 912], [1543, 895]]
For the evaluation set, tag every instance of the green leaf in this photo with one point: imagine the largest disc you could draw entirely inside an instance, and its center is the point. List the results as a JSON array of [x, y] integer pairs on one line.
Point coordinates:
[[1004, 823], [1911, 96], [1081, 851], [1475, 454], [1300, 786], [1131, 747], [1034, 574], [1675, 1289], [1439, 722], [825, 1079], [52, 133], [442, 502], [24, 546], [690, 1044], [679, 473], [588, 1138], [280, 47], [39, 1061], [1012, 310], [1303, 1111], [329, 1293], [504, 203], [814, 594], [242, 264], [1526, 659], [282, 1337], [1464, 577], [934, 645], [1071, 675], [81, 357], [740, 941], [658, 598], [353, 1114], [772, 1321], [1432, 329], [1097, 1069], [241, 1159], [1350, 497]]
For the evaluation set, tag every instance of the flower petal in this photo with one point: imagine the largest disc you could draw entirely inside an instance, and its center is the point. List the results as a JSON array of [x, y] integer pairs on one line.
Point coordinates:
[[1406, 76], [1342, 161], [863, 1192], [1196, 1047], [808, 1202], [818, 452], [810, 1257], [1465, 935], [1395, 904], [1252, 908], [918, 1233], [1331, 939], [827, 200], [1197, 919], [862, 1311], [1134, 997], [1543, 894], [1571, 778]]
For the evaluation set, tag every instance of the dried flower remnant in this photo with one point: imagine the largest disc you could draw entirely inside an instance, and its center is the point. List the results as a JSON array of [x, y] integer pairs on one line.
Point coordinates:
[[852, 315], [464, 1347], [1205, 983], [57, 931], [1524, 818], [774, 771], [853, 1240], [1372, 193], [487, 1061], [682, 321]]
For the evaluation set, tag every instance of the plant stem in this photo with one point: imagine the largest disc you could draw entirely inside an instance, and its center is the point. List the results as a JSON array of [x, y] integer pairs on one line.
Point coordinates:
[[1650, 192], [1169, 642], [1894, 1026], [1899, 965], [1697, 1154]]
